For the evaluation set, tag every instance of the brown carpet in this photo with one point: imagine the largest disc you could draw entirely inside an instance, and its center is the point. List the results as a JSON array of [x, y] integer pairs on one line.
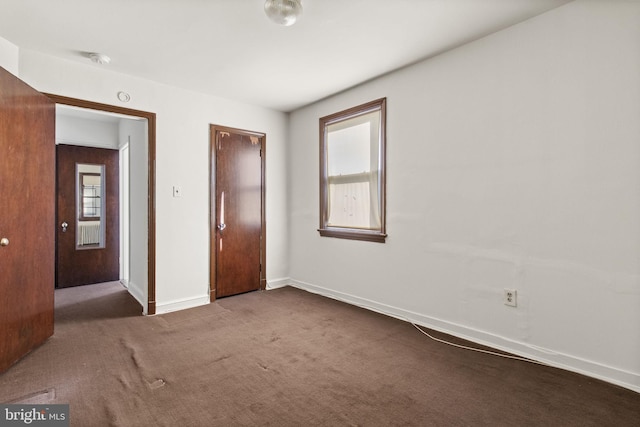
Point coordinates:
[[287, 358]]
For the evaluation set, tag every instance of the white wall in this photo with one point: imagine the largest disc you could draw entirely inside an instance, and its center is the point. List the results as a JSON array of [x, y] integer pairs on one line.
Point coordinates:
[[183, 118], [513, 162], [91, 133], [9, 56]]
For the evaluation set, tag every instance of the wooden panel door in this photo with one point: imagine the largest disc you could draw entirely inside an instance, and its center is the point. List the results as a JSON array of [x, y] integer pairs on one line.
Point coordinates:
[[88, 264], [27, 203], [238, 226]]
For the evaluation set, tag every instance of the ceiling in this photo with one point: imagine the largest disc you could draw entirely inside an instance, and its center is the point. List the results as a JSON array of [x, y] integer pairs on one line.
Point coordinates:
[[229, 48]]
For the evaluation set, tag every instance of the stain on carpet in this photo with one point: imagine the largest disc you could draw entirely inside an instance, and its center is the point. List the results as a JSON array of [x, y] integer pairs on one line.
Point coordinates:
[[38, 398]]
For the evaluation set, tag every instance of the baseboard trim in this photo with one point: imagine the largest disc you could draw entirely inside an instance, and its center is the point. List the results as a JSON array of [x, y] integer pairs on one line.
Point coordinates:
[[196, 302], [135, 291], [182, 304], [615, 376], [278, 283]]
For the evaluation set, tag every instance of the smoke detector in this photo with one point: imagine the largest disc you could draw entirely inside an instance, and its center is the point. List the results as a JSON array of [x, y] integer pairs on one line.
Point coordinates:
[[99, 58]]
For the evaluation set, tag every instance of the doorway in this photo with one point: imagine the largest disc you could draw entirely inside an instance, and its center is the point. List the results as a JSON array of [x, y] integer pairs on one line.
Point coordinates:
[[137, 211], [237, 194]]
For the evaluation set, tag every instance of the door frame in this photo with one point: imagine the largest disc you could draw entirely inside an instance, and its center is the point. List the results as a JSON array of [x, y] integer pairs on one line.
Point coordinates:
[[213, 130], [151, 205]]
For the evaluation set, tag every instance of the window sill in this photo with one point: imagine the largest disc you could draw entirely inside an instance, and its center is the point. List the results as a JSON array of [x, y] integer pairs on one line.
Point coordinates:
[[354, 234]]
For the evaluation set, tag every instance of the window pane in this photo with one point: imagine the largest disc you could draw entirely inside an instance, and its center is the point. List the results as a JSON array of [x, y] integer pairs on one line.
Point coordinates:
[[350, 205], [348, 150]]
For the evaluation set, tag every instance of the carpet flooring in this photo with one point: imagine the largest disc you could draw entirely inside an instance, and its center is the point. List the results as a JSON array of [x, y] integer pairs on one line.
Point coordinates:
[[286, 357]]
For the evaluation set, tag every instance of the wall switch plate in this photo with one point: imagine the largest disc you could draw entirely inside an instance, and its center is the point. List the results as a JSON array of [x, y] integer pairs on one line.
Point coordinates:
[[177, 191], [511, 297]]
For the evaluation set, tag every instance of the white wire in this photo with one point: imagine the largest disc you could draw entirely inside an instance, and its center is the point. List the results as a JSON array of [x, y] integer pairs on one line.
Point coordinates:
[[464, 347], [479, 350]]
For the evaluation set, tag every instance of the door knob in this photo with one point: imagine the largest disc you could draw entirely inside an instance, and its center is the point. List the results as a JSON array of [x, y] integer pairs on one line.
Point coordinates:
[[222, 226], [64, 226], [4, 242]]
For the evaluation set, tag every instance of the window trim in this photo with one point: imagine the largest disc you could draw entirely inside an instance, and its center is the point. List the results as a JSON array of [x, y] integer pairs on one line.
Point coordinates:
[[374, 235]]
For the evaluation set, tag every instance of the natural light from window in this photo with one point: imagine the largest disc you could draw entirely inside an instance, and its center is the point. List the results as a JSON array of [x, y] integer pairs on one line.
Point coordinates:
[[352, 178]]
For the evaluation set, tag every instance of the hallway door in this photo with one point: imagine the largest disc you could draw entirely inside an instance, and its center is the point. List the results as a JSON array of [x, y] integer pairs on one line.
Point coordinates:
[[27, 189], [88, 227], [237, 229]]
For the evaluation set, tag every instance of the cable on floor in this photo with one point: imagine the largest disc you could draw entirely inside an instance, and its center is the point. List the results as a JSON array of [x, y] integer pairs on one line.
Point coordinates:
[[464, 347], [479, 350]]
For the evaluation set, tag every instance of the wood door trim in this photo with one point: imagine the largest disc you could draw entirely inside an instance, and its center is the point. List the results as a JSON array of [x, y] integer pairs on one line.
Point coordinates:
[[151, 131], [212, 204]]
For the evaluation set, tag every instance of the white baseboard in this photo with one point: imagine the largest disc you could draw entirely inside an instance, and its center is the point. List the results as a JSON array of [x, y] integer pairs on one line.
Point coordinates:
[[278, 283], [616, 376], [196, 302], [137, 293], [181, 304]]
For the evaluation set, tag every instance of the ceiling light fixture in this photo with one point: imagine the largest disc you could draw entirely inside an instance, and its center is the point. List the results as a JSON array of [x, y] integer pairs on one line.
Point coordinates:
[[99, 58], [283, 12]]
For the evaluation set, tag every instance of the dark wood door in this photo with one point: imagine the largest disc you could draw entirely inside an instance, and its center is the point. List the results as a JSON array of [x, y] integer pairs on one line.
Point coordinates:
[[80, 259], [27, 203], [239, 213]]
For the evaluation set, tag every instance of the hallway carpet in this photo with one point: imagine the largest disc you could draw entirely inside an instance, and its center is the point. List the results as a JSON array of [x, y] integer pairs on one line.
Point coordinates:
[[287, 358]]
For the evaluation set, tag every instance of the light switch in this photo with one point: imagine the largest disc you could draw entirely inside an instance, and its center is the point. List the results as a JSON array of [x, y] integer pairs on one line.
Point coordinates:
[[177, 191]]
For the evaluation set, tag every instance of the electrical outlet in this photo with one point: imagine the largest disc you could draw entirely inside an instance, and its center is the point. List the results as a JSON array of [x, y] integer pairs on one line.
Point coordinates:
[[511, 297], [177, 191]]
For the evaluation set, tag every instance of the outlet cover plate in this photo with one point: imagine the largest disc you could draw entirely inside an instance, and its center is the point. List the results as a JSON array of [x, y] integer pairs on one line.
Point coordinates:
[[510, 297]]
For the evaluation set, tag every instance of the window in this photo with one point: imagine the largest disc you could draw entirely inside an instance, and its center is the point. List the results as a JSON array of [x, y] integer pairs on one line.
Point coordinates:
[[90, 206], [352, 173]]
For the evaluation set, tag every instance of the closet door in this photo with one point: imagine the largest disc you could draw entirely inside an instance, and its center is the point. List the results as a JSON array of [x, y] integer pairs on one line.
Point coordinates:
[[88, 234]]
